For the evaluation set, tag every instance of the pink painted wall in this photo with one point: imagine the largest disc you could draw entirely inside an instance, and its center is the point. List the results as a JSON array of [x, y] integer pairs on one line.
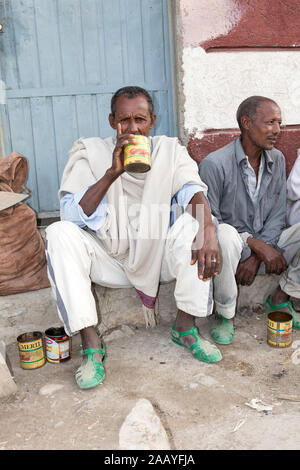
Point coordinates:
[[240, 23], [203, 20]]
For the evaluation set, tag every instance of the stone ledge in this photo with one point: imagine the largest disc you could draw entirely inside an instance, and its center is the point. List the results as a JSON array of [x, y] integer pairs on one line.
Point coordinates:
[[257, 292], [36, 310]]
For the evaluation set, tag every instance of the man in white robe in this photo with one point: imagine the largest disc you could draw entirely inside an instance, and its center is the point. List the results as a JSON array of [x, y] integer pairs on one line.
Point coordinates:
[[116, 232]]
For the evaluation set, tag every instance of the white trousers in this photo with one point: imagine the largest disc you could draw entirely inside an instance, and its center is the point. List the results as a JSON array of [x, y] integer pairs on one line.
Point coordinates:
[[76, 258], [231, 244]]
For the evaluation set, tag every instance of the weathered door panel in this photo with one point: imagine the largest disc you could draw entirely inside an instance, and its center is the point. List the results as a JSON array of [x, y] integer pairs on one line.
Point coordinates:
[[61, 61]]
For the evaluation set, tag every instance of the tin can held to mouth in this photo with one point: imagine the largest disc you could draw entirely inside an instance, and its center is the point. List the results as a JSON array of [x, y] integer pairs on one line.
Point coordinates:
[[58, 345], [137, 157], [31, 350], [280, 329]]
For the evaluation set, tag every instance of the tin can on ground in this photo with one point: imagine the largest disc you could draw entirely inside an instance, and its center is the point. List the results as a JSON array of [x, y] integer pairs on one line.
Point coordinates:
[[280, 329], [58, 345], [137, 157], [31, 350]]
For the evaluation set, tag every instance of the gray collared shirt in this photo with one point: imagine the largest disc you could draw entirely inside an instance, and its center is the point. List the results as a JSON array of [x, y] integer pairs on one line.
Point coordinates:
[[225, 173], [253, 183]]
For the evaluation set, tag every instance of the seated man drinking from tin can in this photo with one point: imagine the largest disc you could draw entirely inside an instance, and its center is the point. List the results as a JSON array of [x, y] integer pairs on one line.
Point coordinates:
[[117, 232]]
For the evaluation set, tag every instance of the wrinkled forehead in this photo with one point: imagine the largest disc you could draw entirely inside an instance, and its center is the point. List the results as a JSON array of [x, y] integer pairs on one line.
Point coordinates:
[[132, 106]]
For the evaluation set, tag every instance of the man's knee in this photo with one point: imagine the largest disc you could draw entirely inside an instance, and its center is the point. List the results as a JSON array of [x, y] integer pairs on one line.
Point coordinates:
[[290, 237], [229, 239], [59, 232]]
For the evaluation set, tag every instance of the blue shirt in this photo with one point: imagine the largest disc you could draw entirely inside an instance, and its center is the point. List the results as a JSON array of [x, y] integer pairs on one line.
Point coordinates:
[[73, 212]]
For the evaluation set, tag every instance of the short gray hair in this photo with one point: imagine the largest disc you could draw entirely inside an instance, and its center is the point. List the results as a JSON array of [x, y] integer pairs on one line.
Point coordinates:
[[249, 107], [131, 92]]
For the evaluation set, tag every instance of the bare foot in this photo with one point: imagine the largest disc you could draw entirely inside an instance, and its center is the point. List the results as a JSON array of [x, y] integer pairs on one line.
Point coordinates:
[[185, 322], [279, 297], [90, 339]]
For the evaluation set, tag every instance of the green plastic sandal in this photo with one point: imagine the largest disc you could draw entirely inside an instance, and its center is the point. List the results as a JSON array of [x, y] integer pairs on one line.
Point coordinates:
[[91, 373], [269, 307], [223, 332], [202, 350]]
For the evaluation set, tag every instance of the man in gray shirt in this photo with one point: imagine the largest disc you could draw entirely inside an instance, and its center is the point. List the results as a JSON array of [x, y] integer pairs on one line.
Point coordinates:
[[246, 182]]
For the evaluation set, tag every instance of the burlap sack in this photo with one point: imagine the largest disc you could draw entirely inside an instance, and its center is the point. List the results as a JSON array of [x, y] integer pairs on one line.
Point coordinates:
[[22, 255]]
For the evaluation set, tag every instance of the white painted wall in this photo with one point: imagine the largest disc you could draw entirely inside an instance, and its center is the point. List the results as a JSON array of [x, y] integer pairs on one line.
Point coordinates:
[[214, 84]]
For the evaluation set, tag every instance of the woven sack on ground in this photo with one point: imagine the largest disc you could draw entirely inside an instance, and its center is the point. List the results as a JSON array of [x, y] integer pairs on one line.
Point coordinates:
[[22, 254]]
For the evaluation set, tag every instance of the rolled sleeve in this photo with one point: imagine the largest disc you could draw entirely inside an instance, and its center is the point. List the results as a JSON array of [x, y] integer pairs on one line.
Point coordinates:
[[73, 212], [182, 199], [186, 193]]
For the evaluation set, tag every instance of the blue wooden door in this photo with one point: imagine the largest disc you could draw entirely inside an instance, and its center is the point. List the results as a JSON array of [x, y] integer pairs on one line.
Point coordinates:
[[61, 61]]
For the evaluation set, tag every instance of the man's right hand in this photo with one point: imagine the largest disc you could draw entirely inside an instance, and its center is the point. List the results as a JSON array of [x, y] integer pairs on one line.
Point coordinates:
[[274, 261], [95, 193], [247, 270], [117, 167]]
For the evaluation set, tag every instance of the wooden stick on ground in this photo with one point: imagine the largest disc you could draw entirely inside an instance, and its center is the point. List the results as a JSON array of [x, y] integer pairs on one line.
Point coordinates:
[[288, 397]]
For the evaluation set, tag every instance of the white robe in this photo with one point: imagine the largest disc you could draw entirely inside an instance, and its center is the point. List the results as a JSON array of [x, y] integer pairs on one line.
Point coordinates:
[[137, 206]]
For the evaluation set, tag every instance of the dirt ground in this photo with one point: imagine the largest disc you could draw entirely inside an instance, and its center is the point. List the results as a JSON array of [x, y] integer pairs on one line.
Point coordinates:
[[202, 406]]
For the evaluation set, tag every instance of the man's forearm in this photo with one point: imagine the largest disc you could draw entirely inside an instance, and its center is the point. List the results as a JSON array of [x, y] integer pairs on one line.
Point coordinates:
[[96, 193], [200, 209], [255, 245], [205, 246], [273, 259]]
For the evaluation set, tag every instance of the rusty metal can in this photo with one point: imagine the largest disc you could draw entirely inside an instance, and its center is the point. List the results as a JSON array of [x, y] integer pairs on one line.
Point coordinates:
[[280, 329], [58, 345], [137, 157], [31, 350]]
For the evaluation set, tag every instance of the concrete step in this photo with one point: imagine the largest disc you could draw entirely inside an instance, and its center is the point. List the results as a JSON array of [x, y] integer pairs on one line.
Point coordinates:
[[36, 310]]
